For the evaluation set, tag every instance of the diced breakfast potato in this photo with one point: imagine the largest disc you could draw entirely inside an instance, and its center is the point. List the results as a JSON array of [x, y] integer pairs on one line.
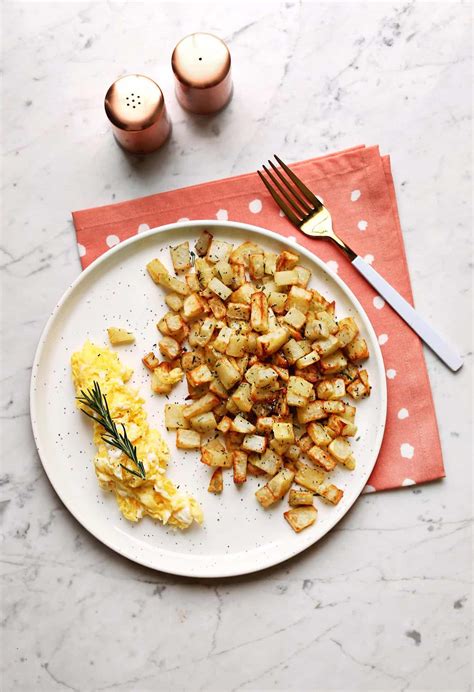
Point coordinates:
[[300, 518], [216, 484], [120, 337], [188, 439], [268, 365], [300, 497]]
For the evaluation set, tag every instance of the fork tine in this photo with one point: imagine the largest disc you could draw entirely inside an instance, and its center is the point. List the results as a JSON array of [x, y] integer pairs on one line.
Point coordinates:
[[285, 194], [291, 188], [283, 205], [308, 194]]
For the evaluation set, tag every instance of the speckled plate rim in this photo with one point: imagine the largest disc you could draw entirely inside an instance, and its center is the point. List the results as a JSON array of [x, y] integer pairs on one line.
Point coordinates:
[[226, 570]]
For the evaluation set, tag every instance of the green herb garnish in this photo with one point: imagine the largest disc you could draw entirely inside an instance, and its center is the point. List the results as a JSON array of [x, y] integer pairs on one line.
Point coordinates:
[[97, 402]]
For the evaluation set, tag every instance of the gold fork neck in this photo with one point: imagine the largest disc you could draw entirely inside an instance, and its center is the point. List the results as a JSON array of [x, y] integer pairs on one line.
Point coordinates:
[[320, 226]]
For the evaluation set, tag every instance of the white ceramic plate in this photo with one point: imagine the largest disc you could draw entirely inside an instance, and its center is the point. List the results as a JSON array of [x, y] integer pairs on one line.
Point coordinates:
[[238, 536]]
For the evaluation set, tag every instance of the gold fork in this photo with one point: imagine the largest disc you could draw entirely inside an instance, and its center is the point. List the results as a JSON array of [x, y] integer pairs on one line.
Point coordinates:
[[306, 211]]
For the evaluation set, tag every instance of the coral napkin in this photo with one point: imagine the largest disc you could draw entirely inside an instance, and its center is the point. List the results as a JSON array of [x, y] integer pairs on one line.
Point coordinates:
[[357, 187]]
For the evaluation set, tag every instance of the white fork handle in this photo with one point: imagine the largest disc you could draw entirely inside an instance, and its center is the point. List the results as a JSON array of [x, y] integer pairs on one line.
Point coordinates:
[[431, 338]]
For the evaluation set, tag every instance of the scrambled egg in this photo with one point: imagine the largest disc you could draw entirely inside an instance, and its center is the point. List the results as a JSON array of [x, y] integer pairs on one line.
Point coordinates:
[[156, 496]]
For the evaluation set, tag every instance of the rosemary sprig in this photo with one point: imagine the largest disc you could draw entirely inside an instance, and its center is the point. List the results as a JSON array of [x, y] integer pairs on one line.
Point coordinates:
[[97, 402]]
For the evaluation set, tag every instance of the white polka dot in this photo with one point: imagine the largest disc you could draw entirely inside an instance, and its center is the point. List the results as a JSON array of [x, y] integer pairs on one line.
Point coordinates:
[[222, 215], [383, 338], [378, 302], [112, 240], [281, 212], [143, 227], [369, 259], [183, 218], [407, 451], [368, 489], [255, 206], [391, 373], [355, 194], [81, 249], [333, 266], [408, 481], [362, 225], [403, 413]]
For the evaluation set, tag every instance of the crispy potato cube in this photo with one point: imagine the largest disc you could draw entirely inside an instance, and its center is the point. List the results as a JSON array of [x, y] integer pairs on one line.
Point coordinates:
[[175, 285], [312, 411], [325, 347], [277, 302], [259, 312], [270, 259], [241, 397], [238, 276], [174, 323], [174, 418], [218, 250], [307, 360], [193, 306], [334, 406], [305, 443], [202, 405], [227, 372], [300, 518], [224, 272], [269, 461], [340, 449], [299, 298], [357, 350], [215, 457], [283, 432], [295, 318], [233, 440], [157, 271], [265, 424], [192, 281], [347, 331], [316, 329], [242, 253], [265, 377], [222, 339], [243, 294], [220, 289], [150, 361], [297, 498], [169, 347], [190, 360], [331, 389], [357, 390], [224, 424], [308, 477], [304, 275], [270, 343], [188, 439], [331, 493], [180, 257], [254, 443], [279, 446], [164, 377], [204, 422], [293, 452], [252, 342], [237, 345], [319, 302], [298, 388], [265, 496], [253, 470], [335, 425], [242, 425], [216, 484], [232, 407], [204, 272], [286, 278], [218, 307], [239, 463], [256, 265], [119, 337], [328, 318], [281, 483], [203, 243], [332, 364], [321, 458], [174, 301], [293, 351], [318, 434], [286, 260], [238, 311]]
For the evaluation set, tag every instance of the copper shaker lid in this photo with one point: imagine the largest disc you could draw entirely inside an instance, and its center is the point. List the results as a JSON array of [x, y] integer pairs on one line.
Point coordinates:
[[134, 102], [201, 61]]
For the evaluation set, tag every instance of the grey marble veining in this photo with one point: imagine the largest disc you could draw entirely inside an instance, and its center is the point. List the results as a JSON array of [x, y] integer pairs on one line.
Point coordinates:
[[385, 601]]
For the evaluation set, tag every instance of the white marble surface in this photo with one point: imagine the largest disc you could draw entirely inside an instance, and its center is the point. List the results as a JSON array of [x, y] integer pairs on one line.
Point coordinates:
[[385, 601]]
